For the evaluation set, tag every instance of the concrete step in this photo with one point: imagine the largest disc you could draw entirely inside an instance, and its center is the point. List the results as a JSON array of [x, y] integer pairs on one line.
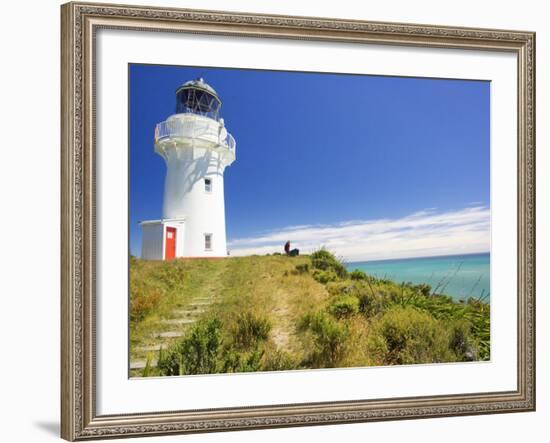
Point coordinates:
[[140, 364], [201, 303], [169, 334], [149, 348], [188, 312], [179, 321]]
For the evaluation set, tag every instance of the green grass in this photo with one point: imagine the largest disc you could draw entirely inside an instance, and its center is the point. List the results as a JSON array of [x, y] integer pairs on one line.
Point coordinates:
[[278, 312], [176, 283]]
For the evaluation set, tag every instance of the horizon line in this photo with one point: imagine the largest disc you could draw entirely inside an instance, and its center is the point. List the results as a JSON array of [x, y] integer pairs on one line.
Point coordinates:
[[414, 257]]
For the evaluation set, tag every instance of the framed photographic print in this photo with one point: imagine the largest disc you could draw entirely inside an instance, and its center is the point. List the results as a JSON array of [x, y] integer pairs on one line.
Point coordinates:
[[283, 221]]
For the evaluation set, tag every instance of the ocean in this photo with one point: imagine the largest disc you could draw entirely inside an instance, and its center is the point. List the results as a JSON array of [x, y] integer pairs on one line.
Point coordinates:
[[460, 276]]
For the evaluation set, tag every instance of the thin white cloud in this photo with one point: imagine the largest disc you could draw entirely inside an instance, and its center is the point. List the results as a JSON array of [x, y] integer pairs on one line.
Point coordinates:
[[421, 234]]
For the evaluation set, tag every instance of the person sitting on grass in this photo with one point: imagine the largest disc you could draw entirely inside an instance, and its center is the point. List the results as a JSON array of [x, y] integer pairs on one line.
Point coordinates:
[[291, 253]]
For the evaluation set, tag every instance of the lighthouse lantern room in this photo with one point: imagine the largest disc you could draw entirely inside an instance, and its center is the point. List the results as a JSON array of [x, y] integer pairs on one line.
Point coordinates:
[[196, 148]]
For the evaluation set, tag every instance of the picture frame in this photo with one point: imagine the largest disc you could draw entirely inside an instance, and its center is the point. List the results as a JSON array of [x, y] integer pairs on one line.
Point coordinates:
[[79, 239]]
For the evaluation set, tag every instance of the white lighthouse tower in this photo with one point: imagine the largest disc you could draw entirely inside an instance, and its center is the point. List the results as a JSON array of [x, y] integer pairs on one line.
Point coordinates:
[[196, 148]]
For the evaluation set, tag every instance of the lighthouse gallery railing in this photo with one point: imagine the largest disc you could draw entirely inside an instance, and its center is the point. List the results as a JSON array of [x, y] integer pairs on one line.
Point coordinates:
[[179, 128]]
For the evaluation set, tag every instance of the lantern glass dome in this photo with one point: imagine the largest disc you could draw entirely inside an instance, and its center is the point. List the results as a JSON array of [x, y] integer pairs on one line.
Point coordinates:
[[198, 97]]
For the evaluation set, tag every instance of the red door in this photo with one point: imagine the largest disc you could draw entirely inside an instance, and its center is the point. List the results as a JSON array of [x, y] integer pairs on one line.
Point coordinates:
[[170, 244]]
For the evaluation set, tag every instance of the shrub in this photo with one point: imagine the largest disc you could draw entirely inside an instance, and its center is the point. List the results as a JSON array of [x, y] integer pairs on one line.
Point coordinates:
[[372, 303], [478, 314], [242, 362], [344, 307], [302, 268], [424, 289], [279, 361], [406, 336], [325, 261], [143, 299], [329, 339], [440, 306], [340, 287], [462, 342], [324, 277], [250, 330], [148, 369], [197, 353], [357, 274]]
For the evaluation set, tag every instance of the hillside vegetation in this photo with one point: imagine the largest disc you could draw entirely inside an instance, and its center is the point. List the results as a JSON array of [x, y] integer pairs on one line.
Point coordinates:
[[264, 313]]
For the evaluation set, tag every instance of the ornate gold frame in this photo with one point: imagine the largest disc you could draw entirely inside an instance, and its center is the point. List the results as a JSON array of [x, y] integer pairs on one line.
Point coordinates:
[[79, 22]]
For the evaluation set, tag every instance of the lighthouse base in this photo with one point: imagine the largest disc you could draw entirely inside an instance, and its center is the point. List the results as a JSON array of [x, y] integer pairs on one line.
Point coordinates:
[[162, 239], [167, 239]]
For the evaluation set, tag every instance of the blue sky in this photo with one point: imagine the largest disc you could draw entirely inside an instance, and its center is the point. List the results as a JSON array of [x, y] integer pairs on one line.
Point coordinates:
[[368, 166]]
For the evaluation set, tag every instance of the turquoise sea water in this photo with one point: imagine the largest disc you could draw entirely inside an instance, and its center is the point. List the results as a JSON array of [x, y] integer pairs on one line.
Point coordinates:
[[460, 276]]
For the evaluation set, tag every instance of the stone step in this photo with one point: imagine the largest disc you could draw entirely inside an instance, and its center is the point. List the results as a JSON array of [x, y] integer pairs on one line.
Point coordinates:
[[179, 321], [148, 348], [188, 312], [140, 364], [169, 334], [201, 303]]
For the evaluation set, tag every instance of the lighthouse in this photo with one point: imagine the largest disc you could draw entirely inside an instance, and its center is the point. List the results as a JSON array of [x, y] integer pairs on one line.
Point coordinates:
[[196, 148]]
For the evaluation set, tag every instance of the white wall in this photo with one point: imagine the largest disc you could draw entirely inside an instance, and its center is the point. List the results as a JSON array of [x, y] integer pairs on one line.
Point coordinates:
[[152, 241], [29, 327], [184, 189]]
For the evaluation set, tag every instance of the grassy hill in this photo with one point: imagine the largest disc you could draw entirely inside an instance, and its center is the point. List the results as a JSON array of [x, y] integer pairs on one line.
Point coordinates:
[[262, 313]]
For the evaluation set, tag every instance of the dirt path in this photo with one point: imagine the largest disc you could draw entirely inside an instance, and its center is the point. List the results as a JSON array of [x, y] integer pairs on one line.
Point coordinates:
[[295, 295], [283, 325]]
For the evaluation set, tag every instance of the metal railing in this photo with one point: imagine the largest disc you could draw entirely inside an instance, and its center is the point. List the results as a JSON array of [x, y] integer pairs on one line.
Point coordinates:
[[230, 142], [192, 129]]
